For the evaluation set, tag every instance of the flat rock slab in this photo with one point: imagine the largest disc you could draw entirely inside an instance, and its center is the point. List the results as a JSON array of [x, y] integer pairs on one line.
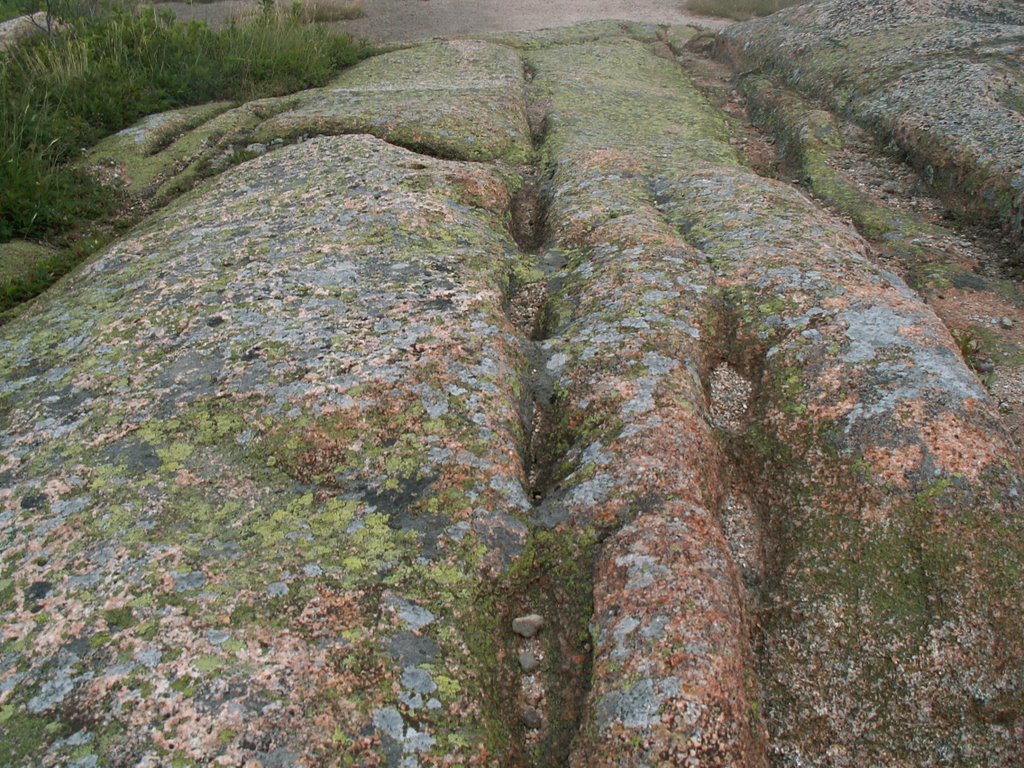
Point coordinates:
[[285, 468], [457, 99], [238, 422]]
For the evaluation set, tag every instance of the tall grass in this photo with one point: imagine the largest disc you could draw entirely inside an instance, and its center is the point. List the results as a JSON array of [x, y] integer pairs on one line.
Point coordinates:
[[741, 10], [62, 93], [308, 11], [10, 9]]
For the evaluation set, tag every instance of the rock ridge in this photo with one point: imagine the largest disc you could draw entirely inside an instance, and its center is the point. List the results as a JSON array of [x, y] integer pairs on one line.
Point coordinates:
[[534, 429]]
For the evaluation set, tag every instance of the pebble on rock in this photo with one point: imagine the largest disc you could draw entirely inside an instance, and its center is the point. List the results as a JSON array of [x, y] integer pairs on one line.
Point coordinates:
[[532, 719], [528, 661], [527, 626]]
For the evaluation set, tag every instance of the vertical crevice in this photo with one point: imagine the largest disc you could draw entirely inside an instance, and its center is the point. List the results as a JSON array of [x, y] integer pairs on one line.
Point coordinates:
[[550, 599], [733, 372]]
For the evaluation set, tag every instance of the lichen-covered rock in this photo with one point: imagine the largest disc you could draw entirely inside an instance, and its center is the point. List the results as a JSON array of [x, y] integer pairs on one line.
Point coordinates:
[[147, 152], [862, 471], [281, 467], [455, 99], [671, 659], [459, 100], [259, 465], [166, 153], [940, 78], [808, 140], [865, 433], [956, 269], [585, 32]]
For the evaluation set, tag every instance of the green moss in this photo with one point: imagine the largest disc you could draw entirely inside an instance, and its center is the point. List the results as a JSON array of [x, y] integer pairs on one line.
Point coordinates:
[[555, 577], [488, 641], [206, 665], [678, 36], [184, 685], [24, 734]]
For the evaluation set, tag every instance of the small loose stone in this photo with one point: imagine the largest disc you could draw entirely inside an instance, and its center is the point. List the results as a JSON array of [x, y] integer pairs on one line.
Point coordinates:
[[527, 626], [528, 661], [1006, 322], [532, 719], [277, 589]]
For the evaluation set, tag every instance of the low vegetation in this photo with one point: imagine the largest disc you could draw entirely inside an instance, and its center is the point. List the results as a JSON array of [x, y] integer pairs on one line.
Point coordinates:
[[741, 10], [101, 72], [309, 11], [9, 9]]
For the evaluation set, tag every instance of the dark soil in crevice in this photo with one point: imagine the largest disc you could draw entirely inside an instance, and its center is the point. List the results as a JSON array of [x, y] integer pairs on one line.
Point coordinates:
[[528, 216], [561, 592], [733, 377]]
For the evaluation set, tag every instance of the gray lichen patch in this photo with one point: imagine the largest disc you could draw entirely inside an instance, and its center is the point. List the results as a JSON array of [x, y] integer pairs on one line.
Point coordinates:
[[453, 99]]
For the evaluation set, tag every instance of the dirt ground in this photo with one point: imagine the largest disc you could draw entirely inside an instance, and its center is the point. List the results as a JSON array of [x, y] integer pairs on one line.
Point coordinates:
[[402, 20]]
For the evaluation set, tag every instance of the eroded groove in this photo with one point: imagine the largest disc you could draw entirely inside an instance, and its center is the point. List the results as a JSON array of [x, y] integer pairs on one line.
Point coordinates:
[[551, 600]]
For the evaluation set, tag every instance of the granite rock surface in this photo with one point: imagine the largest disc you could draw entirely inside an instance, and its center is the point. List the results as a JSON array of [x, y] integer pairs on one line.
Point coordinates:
[[285, 469], [942, 79]]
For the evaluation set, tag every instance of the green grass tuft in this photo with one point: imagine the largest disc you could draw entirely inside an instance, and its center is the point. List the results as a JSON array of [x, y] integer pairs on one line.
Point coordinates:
[[11, 9], [741, 10], [60, 94]]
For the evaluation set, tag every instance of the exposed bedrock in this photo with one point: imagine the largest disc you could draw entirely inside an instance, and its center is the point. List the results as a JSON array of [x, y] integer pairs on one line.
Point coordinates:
[[261, 471], [357, 455], [672, 669], [941, 79], [460, 99], [866, 435]]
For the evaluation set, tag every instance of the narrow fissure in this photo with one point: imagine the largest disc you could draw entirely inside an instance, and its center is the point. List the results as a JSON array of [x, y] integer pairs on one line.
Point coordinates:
[[733, 372], [551, 598]]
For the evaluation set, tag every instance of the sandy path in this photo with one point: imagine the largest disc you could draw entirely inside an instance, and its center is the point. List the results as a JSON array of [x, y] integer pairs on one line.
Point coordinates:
[[393, 20]]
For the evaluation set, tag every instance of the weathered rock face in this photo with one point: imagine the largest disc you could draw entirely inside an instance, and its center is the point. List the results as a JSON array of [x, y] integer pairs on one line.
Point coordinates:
[[236, 437], [460, 99], [941, 78], [289, 470], [24, 26]]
